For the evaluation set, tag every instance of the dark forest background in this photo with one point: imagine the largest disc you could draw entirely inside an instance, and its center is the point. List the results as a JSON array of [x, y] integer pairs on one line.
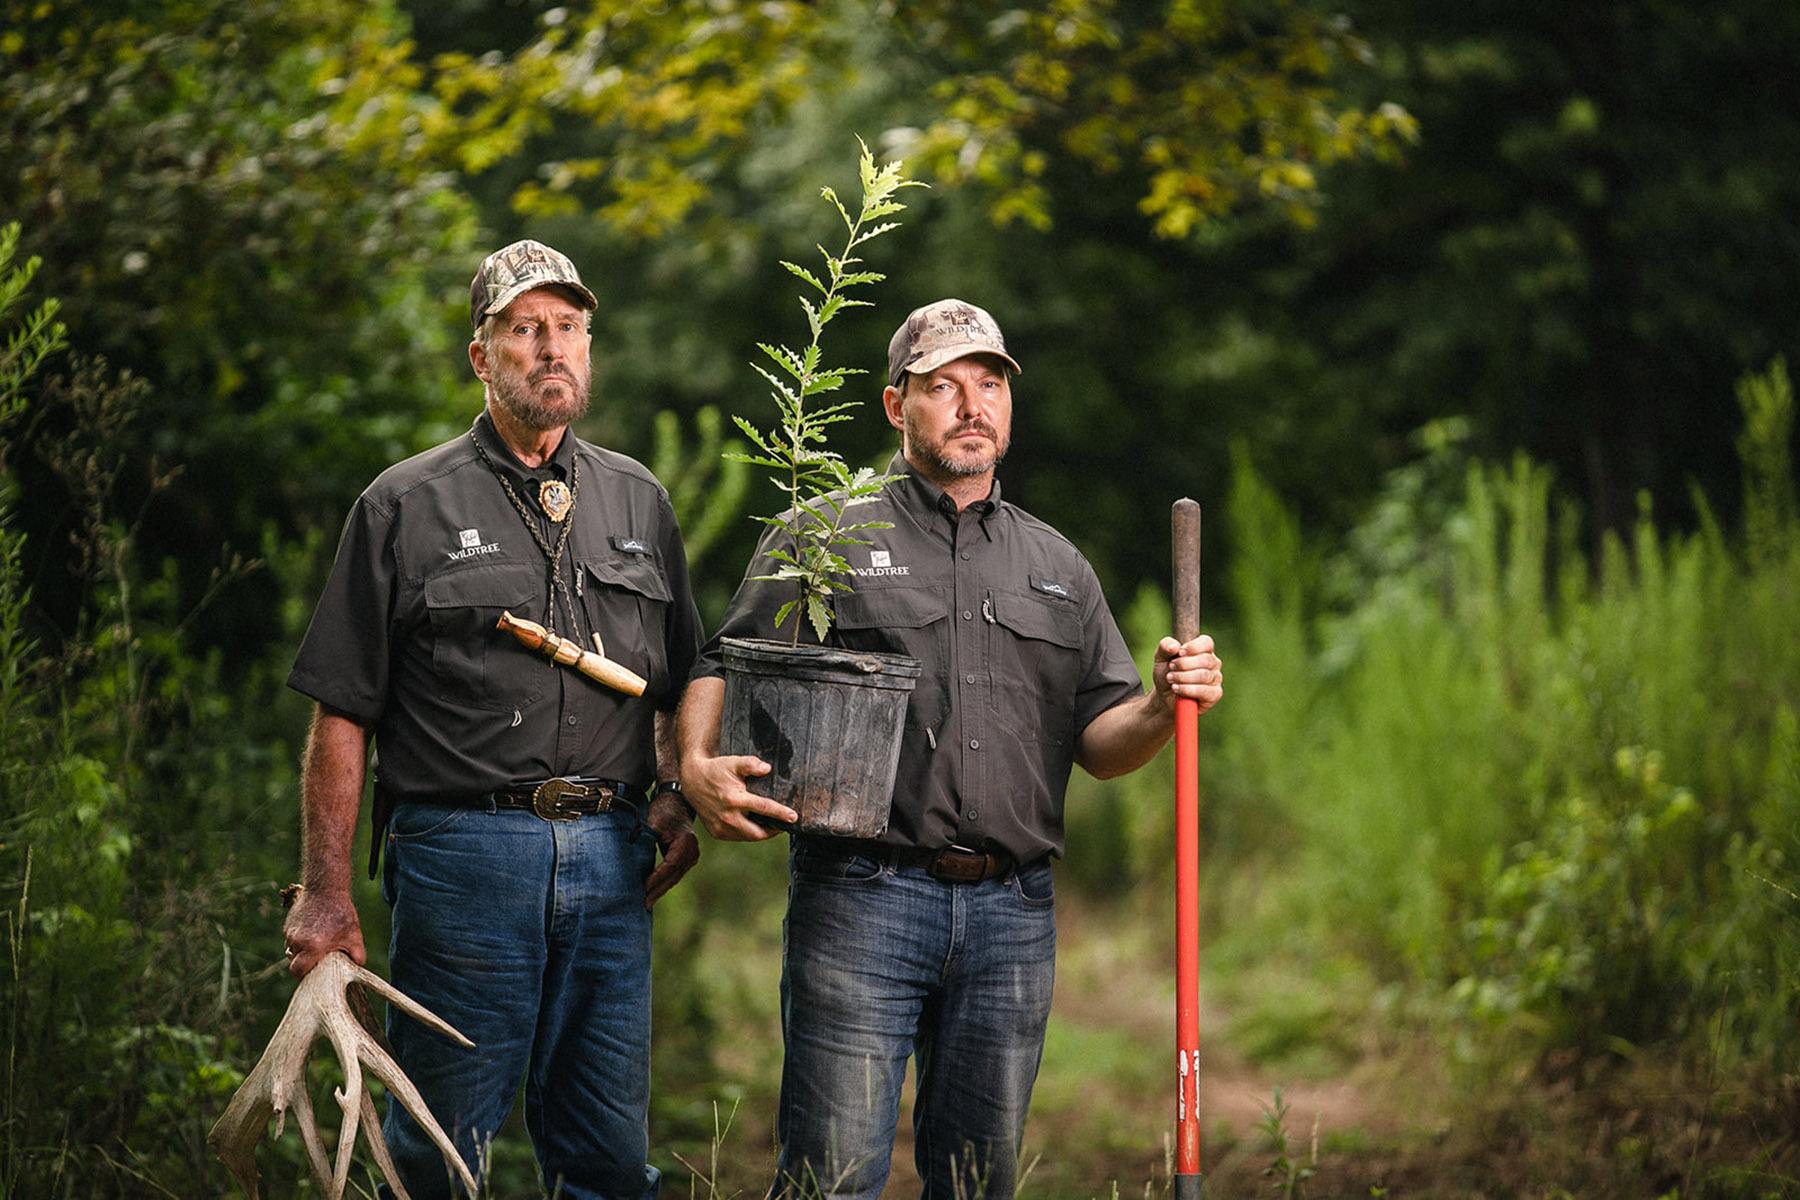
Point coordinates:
[[1467, 325]]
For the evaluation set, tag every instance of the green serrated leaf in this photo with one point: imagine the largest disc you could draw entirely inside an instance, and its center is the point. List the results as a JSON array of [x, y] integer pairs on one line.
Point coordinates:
[[790, 362], [839, 205], [874, 233], [803, 273], [782, 390], [819, 615], [755, 460]]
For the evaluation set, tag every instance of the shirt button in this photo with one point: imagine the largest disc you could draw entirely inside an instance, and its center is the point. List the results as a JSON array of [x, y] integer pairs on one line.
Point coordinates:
[[571, 720], [967, 615], [965, 556], [974, 743], [968, 679], [974, 814]]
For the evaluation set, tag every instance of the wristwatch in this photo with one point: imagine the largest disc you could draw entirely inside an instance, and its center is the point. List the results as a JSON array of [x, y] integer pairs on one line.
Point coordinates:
[[672, 787]]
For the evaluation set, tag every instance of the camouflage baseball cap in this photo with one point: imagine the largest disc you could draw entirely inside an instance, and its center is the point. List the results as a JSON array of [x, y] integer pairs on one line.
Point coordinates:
[[507, 274], [941, 333]]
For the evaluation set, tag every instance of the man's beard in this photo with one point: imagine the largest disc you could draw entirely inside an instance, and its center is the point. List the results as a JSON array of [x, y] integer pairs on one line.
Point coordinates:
[[932, 459], [518, 396]]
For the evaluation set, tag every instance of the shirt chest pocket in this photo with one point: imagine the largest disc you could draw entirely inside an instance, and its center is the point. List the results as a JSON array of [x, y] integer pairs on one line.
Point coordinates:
[[912, 621], [477, 664], [1034, 664], [626, 601]]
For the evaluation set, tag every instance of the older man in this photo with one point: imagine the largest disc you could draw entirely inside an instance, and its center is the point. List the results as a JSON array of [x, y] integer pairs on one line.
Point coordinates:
[[514, 796], [938, 941]]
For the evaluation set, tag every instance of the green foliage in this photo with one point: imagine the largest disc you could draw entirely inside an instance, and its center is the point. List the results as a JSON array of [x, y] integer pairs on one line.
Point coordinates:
[[239, 204], [706, 487], [1560, 792], [1765, 448], [37, 337], [1209, 106], [120, 756], [709, 492], [1570, 930], [1287, 1173], [820, 487], [1579, 259]]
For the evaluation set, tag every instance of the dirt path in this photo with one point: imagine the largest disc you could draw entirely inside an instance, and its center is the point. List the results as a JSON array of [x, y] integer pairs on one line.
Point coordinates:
[[1104, 1104]]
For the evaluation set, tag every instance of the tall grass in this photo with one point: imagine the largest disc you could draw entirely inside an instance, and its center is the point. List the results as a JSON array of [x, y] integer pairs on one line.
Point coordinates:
[[1559, 788]]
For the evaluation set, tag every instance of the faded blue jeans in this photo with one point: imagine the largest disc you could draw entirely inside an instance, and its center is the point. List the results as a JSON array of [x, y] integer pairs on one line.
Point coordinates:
[[530, 937], [882, 963]]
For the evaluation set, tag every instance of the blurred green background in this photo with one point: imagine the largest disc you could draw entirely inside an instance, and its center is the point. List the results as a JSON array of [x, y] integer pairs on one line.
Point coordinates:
[[1467, 325]]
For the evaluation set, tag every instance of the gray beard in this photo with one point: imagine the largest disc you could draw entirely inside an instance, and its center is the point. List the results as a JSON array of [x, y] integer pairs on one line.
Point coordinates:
[[930, 458], [516, 397]]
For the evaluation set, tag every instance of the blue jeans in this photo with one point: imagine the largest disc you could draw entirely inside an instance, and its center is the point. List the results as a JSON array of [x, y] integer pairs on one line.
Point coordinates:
[[530, 937], [881, 963]]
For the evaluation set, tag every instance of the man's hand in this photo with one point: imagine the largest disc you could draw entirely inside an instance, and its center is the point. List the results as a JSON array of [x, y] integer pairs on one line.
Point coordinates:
[[667, 818], [319, 922], [715, 787], [1190, 672]]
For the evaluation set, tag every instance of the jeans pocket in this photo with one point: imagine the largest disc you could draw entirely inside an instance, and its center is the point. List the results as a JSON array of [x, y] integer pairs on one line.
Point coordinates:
[[823, 866], [411, 822], [1036, 885]]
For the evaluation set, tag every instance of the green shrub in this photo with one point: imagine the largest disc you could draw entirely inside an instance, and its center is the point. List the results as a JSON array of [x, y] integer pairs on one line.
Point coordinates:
[[1558, 790]]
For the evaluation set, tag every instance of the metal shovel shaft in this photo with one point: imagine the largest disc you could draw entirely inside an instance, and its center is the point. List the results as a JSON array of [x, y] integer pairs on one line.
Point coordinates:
[[1185, 520]]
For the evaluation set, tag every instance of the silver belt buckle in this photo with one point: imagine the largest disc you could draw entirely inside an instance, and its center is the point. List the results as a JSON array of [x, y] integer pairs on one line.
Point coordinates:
[[546, 801]]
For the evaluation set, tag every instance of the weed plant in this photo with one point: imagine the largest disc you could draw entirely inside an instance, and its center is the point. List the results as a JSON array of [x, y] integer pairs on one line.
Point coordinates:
[[1557, 789]]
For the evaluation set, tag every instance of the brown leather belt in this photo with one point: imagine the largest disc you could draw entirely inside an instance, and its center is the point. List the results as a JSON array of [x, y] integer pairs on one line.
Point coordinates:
[[564, 799], [953, 864]]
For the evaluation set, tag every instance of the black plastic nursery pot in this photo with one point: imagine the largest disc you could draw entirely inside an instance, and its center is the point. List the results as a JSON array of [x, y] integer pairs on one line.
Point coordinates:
[[827, 720]]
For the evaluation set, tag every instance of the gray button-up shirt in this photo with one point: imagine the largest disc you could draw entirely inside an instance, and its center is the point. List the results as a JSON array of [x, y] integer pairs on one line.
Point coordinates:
[[1019, 649], [404, 634]]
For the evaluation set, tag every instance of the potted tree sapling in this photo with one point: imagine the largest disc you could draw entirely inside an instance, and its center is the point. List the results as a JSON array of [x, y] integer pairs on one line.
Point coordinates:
[[827, 720]]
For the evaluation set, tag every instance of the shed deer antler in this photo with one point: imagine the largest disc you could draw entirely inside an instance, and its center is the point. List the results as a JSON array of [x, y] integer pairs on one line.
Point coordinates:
[[321, 1006]]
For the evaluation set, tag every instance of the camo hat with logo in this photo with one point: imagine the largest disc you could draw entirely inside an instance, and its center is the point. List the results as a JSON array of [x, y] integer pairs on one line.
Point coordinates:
[[507, 274], [941, 333]]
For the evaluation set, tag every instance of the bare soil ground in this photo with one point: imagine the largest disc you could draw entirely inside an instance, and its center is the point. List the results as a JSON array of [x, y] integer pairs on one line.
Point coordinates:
[[1366, 1118]]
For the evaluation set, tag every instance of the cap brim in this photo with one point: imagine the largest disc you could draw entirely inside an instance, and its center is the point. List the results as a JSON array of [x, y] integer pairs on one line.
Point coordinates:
[[513, 293], [948, 354]]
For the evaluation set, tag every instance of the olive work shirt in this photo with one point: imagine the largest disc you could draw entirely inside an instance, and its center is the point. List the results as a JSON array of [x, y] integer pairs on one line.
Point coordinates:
[[1019, 650], [404, 635]]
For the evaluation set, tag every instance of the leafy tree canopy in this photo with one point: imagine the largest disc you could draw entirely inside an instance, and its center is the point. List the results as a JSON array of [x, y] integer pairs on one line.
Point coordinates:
[[238, 203], [1207, 104]]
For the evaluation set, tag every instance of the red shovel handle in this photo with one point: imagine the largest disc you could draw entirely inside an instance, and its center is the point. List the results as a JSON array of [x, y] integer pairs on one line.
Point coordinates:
[[1186, 595]]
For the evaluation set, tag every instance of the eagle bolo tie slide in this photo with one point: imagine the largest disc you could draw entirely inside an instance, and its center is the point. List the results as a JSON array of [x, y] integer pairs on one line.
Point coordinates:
[[556, 499]]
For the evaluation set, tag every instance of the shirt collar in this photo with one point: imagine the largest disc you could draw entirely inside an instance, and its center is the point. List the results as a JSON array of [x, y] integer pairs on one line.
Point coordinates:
[[923, 499], [501, 455]]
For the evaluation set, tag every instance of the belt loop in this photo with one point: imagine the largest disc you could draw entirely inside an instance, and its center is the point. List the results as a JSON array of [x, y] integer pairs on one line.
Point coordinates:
[[491, 804]]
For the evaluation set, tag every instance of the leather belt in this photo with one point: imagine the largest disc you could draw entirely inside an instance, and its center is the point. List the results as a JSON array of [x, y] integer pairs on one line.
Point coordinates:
[[953, 864], [564, 799]]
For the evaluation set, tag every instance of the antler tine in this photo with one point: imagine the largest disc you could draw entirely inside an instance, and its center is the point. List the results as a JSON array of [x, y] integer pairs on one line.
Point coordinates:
[[346, 1034], [409, 1006], [378, 1149], [268, 1089], [309, 1135], [384, 1068], [278, 1081]]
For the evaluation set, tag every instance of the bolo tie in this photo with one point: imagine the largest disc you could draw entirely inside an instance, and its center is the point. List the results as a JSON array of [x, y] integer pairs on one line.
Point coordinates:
[[557, 499]]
